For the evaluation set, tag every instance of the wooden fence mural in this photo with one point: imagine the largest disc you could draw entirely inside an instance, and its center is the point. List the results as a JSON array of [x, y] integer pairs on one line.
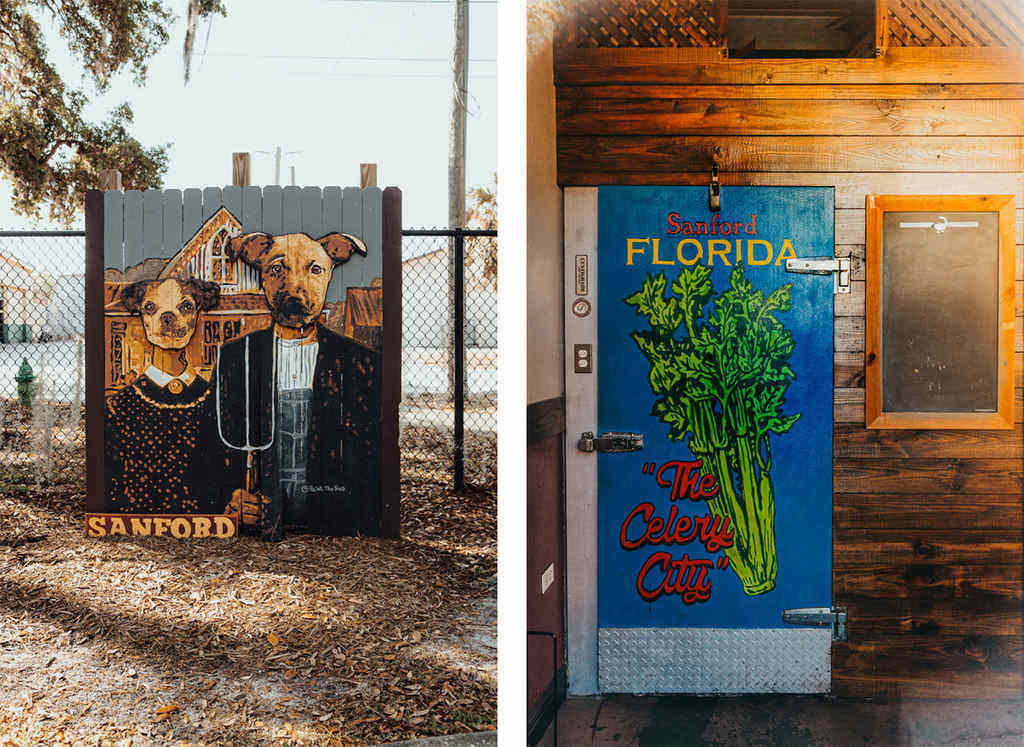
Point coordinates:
[[249, 340]]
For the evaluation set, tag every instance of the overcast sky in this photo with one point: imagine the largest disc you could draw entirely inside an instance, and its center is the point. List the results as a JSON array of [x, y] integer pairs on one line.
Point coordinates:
[[340, 81]]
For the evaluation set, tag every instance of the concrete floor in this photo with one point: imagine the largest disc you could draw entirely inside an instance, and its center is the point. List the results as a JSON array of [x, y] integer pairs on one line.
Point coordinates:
[[656, 721]]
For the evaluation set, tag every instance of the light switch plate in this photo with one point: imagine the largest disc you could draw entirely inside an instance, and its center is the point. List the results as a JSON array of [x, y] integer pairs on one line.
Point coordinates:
[[547, 578]]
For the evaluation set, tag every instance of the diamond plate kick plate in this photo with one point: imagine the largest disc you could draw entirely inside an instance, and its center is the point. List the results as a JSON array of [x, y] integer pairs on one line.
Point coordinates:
[[714, 660]]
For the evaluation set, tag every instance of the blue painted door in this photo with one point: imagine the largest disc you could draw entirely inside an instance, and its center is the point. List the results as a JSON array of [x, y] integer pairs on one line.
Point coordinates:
[[723, 361]]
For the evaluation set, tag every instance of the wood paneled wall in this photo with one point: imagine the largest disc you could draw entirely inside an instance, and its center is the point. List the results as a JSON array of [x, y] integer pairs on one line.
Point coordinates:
[[927, 524]]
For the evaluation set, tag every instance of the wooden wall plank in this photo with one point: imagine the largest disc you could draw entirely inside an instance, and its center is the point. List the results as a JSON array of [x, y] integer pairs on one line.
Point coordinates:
[[922, 618], [252, 209], [942, 683], [856, 441], [311, 205], [850, 226], [850, 187], [859, 511], [113, 229], [605, 116], [933, 579], [623, 154], [273, 209], [350, 274], [212, 201], [935, 65], [849, 402], [918, 475], [152, 223], [173, 240], [291, 210], [232, 200], [192, 212], [133, 249], [824, 90], [925, 546]]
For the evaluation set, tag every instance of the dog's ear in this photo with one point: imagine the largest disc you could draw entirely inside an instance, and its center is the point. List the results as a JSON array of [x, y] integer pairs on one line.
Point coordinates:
[[250, 248], [205, 293], [339, 246], [132, 295]]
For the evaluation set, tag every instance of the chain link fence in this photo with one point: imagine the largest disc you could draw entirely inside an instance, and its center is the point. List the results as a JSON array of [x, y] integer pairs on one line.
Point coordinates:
[[42, 352], [449, 408]]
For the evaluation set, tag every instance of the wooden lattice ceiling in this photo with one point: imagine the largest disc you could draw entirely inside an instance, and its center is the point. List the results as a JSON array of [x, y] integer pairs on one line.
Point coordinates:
[[955, 23], [648, 23]]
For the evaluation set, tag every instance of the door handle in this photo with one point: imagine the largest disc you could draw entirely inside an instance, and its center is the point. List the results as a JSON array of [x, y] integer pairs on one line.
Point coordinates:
[[611, 443]]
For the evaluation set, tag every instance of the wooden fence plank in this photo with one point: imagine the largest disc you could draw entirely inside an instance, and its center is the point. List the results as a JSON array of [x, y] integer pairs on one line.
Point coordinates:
[[615, 155], [212, 201], [601, 116], [192, 212], [332, 209], [252, 209], [848, 369], [232, 199], [933, 65], [311, 204], [856, 511], [849, 334], [291, 210], [927, 476], [172, 239], [133, 247], [372, 267], [349, 274], [273, 209], [856, 441], [113, 229], [153, 223]]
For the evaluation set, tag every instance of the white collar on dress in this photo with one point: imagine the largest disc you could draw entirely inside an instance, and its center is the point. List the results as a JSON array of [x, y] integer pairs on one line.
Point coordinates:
[[162, 378]]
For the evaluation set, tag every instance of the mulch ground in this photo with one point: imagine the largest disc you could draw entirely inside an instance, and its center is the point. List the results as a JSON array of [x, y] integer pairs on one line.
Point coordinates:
[[309, 641]]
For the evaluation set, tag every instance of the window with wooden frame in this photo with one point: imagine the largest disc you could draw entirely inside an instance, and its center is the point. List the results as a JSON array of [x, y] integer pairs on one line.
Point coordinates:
[[939, 311]]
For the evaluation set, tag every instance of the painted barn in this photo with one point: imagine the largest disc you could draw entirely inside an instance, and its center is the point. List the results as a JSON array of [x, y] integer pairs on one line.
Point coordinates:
[[859, 131]]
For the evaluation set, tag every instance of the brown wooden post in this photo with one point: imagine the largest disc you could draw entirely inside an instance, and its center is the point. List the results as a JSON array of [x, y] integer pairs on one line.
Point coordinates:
[[94, 481], [110, 179], [240, 169], [391, 361], [367, 175]]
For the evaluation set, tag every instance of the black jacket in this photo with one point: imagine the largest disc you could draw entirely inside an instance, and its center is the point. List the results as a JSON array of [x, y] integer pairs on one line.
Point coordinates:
[[343, 494]]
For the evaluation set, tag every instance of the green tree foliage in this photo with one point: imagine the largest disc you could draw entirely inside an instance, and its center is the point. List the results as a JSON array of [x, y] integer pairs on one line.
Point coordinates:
[[722, 386], [49, 150]]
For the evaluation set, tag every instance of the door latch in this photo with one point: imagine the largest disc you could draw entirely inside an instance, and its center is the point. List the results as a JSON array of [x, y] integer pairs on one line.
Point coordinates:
[[819, 617], [611, 443], [837, 267]]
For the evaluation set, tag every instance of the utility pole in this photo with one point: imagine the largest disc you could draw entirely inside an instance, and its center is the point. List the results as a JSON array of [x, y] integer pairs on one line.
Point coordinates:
[[277, 162], [457, 187]]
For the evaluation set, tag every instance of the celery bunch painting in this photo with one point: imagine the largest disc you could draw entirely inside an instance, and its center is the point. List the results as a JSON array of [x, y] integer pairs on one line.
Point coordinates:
[[719, 365]]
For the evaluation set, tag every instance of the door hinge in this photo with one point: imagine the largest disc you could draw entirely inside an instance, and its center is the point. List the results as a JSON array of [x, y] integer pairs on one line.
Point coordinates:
[[819, 617], [610, 442], [837, 267]]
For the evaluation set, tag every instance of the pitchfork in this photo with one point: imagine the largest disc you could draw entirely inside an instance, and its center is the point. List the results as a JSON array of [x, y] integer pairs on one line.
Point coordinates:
[[248, 447]]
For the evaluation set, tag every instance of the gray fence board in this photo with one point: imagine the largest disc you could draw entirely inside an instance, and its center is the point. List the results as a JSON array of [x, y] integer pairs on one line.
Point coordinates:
[[312, 212], [113, 230], [252, 210], [373, 265], [331, 210], [153, 223], [350, 274], [211, 201], [192, 210], [291, 219], [172, 241], [133, 252], [232, 197], [273, 209]]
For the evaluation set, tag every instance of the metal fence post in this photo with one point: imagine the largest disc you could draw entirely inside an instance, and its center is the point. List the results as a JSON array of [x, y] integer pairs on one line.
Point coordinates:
[[459, 467]]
